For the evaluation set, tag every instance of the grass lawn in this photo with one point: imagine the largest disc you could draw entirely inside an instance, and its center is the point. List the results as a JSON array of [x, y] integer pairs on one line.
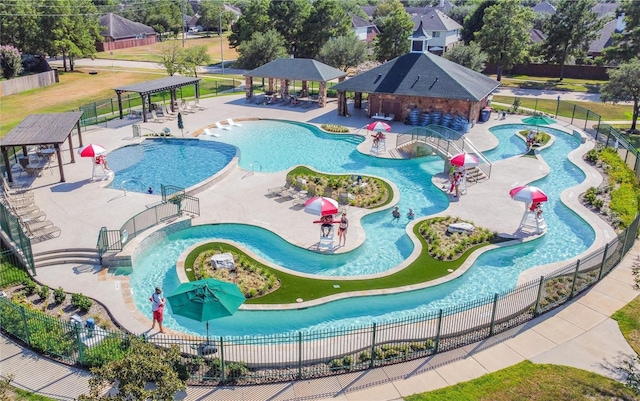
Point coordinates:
[[629, 321], [608, 112], [547, 83], [152, 52], [527, 381]]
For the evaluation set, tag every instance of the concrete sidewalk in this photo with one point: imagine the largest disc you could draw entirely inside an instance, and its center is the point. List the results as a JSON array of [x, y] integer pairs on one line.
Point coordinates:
[[580, 334]]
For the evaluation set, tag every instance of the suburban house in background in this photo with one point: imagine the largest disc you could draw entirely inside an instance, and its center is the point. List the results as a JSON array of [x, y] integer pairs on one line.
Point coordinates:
[[365, 30], [544, 7], [604, 40], [443, 30], [121, 33]]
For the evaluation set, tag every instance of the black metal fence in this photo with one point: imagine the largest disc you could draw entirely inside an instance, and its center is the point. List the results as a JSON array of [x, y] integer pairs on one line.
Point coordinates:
[[15, 239], [306, 355]]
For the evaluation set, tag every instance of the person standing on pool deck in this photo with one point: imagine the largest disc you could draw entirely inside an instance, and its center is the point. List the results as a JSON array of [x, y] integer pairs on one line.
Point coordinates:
[[342, 230], [157, 307]]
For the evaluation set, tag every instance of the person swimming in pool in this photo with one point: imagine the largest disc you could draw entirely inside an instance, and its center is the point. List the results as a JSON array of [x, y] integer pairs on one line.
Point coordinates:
[[396, 213], [411, 215]]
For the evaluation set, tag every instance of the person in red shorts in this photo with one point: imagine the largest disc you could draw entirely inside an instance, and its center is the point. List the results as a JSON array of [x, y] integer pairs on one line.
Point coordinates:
[[157, 307]]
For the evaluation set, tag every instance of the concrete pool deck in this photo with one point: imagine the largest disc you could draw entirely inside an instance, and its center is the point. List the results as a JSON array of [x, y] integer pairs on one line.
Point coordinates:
[[80, 207]]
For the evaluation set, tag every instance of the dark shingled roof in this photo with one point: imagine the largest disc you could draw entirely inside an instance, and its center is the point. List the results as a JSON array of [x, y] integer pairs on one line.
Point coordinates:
[[302, 69], [42, 129], [158, 85], [424, 75], [120, 28], [436, 20], [358, 22]]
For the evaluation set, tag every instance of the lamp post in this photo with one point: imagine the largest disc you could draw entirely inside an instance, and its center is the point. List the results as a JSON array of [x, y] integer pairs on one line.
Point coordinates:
[[558, 106], [221, 48]]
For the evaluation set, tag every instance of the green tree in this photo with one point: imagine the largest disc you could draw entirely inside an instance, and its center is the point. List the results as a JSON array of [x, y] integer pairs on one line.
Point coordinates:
[[210, 12], [343, 52], [393, 40], [164, 16], [172, 57], [627, 43], [144, 363], [570, 30], [261, 49], [193, 57], [470, 56], [85, 31], [327, 20], [289, 18], [505, 33], [19, 26], [473, 23], [624, 86], [255, 18], [10, 61]]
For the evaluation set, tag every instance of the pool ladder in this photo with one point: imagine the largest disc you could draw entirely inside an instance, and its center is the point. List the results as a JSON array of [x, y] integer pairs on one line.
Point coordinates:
[[131, 180], [253, 166]]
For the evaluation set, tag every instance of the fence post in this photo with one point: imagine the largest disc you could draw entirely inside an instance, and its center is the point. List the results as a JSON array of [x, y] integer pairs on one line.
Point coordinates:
[[586, 120], [223, 368], [604, 259], [112, 111], [80, 345], [575, 278], [26, 326], [493, 314], [558, 106], [624, 244], [536, 309], [299, 355], [573, 113], [438, 332], [373, 346]]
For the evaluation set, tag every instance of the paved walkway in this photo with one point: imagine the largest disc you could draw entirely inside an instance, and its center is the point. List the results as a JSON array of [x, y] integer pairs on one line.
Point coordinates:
[[80, 207]]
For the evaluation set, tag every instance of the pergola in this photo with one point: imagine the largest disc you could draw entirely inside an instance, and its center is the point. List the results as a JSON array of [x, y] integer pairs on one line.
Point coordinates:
[[146, 89], [299, 69], [42, 129]]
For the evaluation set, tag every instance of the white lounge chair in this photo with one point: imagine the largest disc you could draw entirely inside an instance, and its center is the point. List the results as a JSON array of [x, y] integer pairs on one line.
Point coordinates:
[[207, 131], [232, 123], [156, 119], [198, 106], [220, 126]]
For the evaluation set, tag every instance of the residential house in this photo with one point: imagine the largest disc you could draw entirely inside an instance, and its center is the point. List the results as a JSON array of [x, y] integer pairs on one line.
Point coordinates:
[[365, 30], [544, 7], [121, 33], [604, 40], [443, 30]]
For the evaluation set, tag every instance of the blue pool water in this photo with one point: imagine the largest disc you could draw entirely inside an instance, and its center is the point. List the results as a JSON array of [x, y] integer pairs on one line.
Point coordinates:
[[182, 163], [269, 144]]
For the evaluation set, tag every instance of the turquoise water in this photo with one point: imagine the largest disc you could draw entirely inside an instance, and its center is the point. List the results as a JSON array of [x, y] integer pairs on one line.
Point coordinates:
[[182, 163], [269, 144]]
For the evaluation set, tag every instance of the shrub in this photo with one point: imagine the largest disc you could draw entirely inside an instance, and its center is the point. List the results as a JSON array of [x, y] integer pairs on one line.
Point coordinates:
[[10, 61], [44, 292], [236, 370], [81, 302], [590, 195], [108, 350], [592, 156], [59, 295], [30, 287]]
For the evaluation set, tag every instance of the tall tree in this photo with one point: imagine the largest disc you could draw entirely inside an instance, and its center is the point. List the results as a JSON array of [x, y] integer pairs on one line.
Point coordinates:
[[165, 16], [624, 86], [393, 40], [253, 19], [470, 56], [627, 43], [19, 26], [85, 31], [289, 18], [210, 12], [505, 33], [343, 52], [570, 30], [193, 57], [327, 20], [172, 57], [261, 49], [473, 22]]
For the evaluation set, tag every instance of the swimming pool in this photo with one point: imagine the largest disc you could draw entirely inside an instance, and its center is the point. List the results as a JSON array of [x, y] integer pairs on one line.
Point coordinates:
[[494, 271], [177, 162]]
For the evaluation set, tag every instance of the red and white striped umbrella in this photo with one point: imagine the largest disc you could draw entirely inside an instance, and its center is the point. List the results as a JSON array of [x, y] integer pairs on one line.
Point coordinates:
[[464, 159], [528, 194], [378, 126], [321, 206], [92, 150]]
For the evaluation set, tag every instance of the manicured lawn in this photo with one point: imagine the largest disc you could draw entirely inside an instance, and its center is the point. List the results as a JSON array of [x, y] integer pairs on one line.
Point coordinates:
[[549, 83], [629, 321], [527, 381], [608, 112]]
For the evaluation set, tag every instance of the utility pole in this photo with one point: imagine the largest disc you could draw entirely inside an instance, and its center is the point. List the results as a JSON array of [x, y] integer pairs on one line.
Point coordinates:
[[220, 35], [182, 20]]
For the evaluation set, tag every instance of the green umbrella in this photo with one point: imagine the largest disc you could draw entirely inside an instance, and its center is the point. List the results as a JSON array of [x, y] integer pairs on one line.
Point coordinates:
[[180, 123], [207, 299], [538, 120]]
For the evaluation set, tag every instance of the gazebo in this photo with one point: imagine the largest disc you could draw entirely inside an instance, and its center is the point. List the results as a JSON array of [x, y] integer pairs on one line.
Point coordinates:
[[295, 69], [418, 80], [146, 89], [42, 129]]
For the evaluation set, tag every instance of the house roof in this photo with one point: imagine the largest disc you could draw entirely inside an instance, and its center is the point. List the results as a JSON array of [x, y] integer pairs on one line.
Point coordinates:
[[42, 129], [424, 75], [436, 20], [158, 85], [119, 27], [604, 38], [544, 7], [603, 9], [537, 36], [303, 69], [358, 22]]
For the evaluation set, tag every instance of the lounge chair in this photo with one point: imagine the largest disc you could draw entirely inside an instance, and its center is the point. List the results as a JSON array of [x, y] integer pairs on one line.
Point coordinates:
[[155, 117], [11, 191], [185, 108], [220, 126], [167, 114], [43, 233], [232, 123], [207, 131], [196, 104], [278, 190]]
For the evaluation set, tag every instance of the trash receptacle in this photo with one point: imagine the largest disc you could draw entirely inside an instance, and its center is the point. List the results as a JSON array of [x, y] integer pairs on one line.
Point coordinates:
[[90, 324], [485, 114]]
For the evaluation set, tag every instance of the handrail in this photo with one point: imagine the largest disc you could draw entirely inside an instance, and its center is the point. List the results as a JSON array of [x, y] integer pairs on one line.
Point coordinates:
[[131, 180], [253, 165]]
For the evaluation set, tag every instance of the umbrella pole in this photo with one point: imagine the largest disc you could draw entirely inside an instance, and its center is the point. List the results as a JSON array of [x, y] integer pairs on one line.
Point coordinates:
[[207, 333]]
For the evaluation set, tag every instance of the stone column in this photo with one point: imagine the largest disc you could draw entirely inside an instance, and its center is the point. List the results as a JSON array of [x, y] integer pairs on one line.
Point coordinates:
[[272, 86], [322, 94], [357, 101], [248, 88]]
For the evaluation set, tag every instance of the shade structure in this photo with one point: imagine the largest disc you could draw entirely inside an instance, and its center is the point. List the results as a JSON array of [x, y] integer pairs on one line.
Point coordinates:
[[378, 126], [464, 159], [528, 194], [321, 206], [92, 150], [538, 120]]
